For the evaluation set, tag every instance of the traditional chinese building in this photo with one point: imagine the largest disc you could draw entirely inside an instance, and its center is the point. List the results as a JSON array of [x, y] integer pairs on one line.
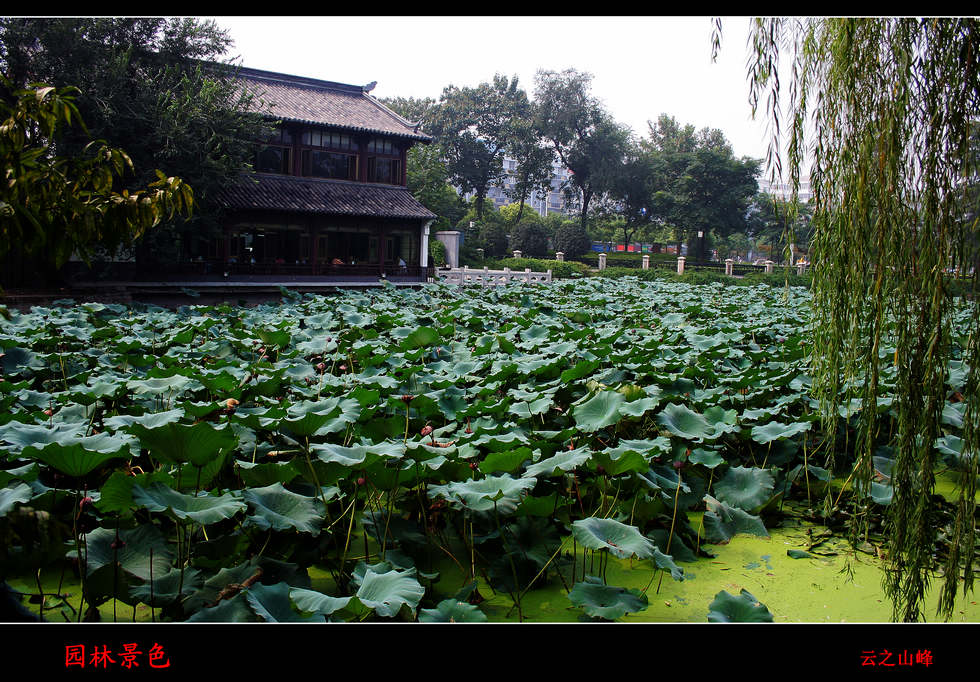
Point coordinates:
[[329, 196]]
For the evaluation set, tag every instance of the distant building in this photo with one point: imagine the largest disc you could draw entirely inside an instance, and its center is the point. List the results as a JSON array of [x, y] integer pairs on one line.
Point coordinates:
[[784, 190], [545, 204]]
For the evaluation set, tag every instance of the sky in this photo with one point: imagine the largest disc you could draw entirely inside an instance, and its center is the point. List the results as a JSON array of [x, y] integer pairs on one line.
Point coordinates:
[[641, 66]]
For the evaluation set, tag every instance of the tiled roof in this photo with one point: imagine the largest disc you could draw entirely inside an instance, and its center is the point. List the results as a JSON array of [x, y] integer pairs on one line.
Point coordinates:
[[308, 100], [315, 195]]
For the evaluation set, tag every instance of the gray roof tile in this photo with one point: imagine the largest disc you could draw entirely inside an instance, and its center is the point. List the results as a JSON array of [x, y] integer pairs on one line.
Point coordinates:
[[308, 100], [315, 195]]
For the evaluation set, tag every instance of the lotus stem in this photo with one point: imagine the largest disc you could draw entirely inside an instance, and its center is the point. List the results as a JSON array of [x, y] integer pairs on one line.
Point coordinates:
[[670, 536]]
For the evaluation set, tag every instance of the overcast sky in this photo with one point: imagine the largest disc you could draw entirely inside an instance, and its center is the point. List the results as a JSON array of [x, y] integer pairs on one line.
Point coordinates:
[[642, 66]]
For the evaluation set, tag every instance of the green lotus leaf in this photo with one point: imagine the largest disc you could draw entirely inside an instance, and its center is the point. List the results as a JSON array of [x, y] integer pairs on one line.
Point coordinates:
[[767, 433], [502, 493], [79, 456], [685, 423], [273, 605], [527, 410], [274, 338], [388, 592], [150, 420], [204, 509], [172, 385], [666, 562], [167, 587], [306, 418], [745, 487], [258, 475], [20, 435], [564, 461], [709, 458], [132, 553], [311, 601], [745, 608], [421, 337], [599, 411], [581, 369], [722, 522], [637, 408], [279, 509], [15, 360], [606, 601], [116, 494], [505, 460], [234, 610], [13, 495], [198, 444], [618, 538], [452, 611]]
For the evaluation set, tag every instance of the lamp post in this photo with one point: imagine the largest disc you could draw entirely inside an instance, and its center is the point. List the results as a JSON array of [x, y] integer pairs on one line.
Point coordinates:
[[701, 245]]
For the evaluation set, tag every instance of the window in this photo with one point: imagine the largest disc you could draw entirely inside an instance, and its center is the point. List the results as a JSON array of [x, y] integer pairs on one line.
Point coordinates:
[[323, 164], [328, 154], [380, 169], [275, 156]]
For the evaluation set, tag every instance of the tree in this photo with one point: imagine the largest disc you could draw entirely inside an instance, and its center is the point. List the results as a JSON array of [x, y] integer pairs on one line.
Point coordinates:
[[426, 170], [53, 206], [704, 186], [572, 240], [533, 164], [584, 136], [154, 87], [892, 104], [636, 191], [475, 127]]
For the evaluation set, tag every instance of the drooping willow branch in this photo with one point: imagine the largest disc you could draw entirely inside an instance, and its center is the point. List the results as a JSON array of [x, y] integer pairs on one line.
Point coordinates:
[[884, 112]]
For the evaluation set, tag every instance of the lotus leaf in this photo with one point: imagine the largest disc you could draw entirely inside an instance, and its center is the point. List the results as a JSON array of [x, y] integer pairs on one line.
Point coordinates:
[[272, 604], [722, 522], [452, 611], [203, 508], [389, 591], [12, 495], [618, 538], [500, 493], [606, 601], [746, 488], [310, 601], [745, 608], [599, 411], [775, 431], [279, 509]]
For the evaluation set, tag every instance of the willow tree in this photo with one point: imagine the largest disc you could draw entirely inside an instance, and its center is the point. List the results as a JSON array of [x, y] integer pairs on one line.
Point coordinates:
[[883, 111]]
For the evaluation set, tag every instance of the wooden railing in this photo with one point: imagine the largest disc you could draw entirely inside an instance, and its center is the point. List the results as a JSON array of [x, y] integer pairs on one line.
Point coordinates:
[[486, 277]]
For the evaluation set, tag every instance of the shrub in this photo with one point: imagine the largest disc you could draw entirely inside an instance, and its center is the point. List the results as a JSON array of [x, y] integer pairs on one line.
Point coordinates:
[[437, 252], [559, 269], [572, 240], [530, 238]]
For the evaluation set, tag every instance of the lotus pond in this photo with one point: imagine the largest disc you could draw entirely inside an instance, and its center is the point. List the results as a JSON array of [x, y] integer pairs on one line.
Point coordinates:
[[592, 449]]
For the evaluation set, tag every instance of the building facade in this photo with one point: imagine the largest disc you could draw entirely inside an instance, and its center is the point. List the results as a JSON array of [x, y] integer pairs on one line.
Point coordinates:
[[554, 201], [328, 197]]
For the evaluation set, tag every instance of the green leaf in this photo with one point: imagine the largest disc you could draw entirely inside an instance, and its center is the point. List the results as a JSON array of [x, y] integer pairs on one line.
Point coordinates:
[[12, 495], [599, 411], [204, 509], [279, 509], [452, 611], [388, 592], [746, 488], [606, 601], [744, 608], [618, 538], [722, 522]]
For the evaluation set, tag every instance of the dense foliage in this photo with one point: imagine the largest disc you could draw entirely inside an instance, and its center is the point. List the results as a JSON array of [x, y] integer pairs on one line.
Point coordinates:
[[882, 114], [421, 446]]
